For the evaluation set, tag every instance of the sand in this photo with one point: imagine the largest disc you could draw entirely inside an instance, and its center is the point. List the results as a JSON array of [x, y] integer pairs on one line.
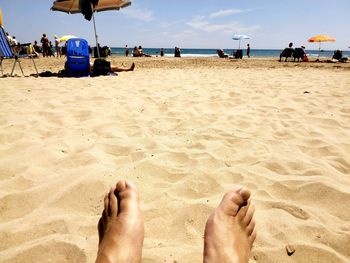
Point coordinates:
[[184, 131]]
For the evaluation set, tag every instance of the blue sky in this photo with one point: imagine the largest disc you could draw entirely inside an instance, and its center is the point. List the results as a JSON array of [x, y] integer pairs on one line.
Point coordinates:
[[189, 23]]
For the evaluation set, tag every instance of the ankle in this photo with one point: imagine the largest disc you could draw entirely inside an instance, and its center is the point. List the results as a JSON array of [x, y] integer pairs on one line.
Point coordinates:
[[211, 255], [103, 257]]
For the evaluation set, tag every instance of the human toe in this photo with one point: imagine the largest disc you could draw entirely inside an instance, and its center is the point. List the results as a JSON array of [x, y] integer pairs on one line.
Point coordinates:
[[251, 227], [127, 196], [249, 214], [113, 203], [233, 200]]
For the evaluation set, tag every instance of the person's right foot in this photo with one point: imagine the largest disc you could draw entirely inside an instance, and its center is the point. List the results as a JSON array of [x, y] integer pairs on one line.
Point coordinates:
[[121, 229], [230, 229]]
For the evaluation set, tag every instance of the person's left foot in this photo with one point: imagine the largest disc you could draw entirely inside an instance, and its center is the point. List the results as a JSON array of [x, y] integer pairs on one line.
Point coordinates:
[[121, 228], [132, 67]]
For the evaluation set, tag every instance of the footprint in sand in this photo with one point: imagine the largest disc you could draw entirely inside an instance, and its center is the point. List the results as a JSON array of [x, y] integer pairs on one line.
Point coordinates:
[[293, 210], [51, 251], [15, 238]]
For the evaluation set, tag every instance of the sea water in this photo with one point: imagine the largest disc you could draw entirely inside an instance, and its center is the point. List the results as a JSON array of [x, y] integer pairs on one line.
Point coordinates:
[[197, 52]]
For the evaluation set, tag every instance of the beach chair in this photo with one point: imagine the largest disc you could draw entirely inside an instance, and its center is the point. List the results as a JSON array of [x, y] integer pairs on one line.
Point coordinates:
[[238, 54], [286, 53], [78, 58], [11, 52], [221, 53]]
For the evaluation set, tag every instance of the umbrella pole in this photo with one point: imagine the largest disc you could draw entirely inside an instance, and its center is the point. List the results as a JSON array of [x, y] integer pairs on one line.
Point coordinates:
[[319, 51], [93, 19]]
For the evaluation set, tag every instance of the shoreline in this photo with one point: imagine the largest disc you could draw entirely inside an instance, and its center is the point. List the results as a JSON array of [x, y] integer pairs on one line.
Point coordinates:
[[256, 53]]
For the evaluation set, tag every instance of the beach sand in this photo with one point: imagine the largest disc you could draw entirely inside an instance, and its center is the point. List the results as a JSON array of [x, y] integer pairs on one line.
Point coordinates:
[[184, 131]]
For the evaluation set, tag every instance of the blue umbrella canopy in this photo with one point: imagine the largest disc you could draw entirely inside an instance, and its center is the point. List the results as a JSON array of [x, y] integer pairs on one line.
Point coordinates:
[[239, 38]]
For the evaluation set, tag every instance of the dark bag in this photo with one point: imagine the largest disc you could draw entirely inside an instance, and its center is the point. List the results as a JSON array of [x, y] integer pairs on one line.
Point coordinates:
[[101, 67], [86, 8]]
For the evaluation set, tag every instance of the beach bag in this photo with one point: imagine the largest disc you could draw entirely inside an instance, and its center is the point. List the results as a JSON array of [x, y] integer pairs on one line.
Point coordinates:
[[101, 67]]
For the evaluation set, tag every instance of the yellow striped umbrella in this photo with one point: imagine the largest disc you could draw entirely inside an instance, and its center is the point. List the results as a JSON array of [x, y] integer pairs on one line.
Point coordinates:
[[0, 17], [320, 39], [66, 38]]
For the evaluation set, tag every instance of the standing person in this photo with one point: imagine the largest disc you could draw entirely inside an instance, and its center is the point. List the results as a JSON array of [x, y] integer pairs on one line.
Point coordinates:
[[14, 41], [64, 49], [140, 49], [135, 52], [248, 50], [177, 52], [9, 38], [57, 48], [162, 52], [51, 52], [45, 45], [126, 51]]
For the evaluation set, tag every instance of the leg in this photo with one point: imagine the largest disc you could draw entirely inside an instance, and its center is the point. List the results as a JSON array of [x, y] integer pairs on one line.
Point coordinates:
[[121, 229], [230, 229], [119, 69]]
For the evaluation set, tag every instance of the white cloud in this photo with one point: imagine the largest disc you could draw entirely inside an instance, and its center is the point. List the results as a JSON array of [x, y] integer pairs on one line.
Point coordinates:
[[140, 14], [226, 12], [199, 23]]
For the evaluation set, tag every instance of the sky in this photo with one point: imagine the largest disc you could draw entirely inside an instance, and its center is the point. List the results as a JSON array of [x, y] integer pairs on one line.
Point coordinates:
[[271, 24]]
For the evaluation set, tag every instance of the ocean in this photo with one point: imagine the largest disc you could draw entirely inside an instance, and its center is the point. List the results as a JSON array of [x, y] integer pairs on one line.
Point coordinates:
[[192, 52]]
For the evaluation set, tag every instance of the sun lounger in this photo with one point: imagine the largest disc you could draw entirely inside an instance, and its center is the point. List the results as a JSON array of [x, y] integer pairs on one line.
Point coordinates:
[[12, 52]]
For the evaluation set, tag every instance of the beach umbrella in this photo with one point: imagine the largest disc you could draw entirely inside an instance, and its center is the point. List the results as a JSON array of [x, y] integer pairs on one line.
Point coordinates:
[[0, 17], [320, 39], [66, 38], [88, 8], [240, 38]]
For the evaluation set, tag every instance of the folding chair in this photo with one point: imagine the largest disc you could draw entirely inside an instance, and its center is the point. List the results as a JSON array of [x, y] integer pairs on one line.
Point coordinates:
[[8, 52], [78, 58]]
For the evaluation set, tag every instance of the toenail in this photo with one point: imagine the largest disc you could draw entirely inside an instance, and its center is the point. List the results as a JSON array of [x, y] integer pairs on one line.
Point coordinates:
[[239, 189]]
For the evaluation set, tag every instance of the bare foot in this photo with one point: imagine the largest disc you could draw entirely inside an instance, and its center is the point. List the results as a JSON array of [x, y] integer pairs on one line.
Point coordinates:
[[230, 229], [132, 67], [121, 229]]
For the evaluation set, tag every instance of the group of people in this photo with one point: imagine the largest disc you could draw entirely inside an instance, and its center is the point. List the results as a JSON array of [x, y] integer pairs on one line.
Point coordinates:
[[138, 52], [47, 48], [235, 53], [11, 39], [297, 53], [18, 48], [56, 49]]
